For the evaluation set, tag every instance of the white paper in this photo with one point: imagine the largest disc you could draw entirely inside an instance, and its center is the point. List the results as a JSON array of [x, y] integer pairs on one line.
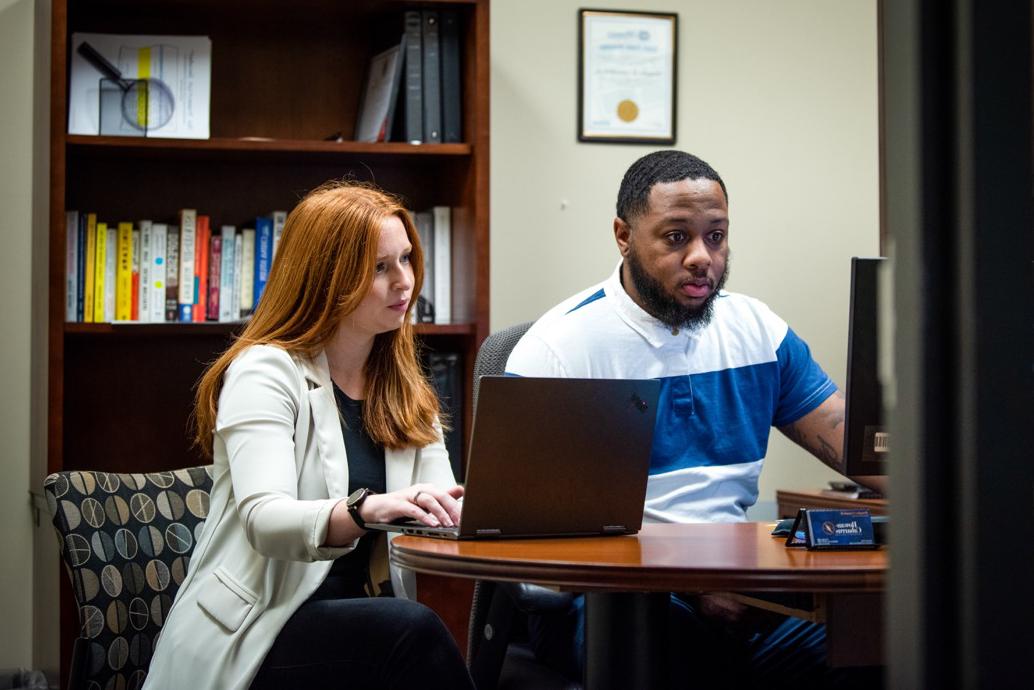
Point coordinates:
[[381, 88], [184, 63], [628, 76]]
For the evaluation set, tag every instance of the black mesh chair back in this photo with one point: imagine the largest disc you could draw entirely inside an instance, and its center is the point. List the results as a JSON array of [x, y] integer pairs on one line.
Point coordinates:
[[496, 605], [492, 356]]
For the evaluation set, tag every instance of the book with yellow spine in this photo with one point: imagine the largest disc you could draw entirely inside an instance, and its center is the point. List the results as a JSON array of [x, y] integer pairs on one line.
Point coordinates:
[[124, 274], [99, 269], [90, 268]]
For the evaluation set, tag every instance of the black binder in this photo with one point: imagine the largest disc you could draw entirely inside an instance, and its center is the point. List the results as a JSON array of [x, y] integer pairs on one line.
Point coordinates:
[[432, 80], [414, 91], [452, 115], [446, 371]]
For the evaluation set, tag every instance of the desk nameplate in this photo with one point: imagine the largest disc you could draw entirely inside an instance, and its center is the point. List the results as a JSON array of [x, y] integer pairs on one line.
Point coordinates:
[[831, 529]]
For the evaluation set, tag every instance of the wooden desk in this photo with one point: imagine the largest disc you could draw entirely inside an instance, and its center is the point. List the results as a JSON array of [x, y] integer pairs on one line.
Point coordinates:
[[788, 502], [622, 574]]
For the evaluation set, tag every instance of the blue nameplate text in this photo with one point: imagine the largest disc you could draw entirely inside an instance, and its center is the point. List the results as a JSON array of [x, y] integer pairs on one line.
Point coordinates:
[[826, 528]]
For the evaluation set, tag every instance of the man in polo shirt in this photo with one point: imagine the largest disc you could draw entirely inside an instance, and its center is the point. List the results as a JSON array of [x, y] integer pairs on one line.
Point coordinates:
[[730, 370]]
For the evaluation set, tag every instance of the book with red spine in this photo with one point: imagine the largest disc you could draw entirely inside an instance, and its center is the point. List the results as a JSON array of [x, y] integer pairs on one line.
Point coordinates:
[[215, 262], [134, 307], [201, 250]]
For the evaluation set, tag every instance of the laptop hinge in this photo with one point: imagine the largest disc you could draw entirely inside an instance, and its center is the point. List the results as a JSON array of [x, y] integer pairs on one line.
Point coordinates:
[[489, 532], [610, 529]]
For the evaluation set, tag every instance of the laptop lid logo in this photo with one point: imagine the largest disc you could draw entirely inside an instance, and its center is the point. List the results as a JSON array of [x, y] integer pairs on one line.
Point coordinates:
[[638, 403]]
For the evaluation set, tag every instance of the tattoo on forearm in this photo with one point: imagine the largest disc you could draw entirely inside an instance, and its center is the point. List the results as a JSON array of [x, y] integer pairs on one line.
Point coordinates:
[[820, 442], [825, 452]]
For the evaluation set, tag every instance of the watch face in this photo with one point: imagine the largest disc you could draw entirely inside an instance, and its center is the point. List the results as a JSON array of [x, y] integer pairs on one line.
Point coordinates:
[[356, 496]]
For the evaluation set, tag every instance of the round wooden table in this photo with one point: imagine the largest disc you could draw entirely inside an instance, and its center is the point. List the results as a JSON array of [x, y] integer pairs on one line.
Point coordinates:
[[618, 573]]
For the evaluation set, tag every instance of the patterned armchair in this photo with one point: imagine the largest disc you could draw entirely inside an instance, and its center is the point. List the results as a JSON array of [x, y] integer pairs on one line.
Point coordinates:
[[126, 540]]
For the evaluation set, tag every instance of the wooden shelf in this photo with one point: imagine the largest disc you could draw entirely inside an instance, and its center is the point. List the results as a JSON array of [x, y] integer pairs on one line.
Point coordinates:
[[789, 502], [293, 147], [216, 328]]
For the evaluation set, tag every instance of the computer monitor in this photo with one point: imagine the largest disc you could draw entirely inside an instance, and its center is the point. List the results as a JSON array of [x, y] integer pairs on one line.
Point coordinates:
[[866, 441]]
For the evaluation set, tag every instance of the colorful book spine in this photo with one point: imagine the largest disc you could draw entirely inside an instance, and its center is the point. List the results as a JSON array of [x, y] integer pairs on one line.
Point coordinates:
[[85, 266], [91, 267], [238, 275], [124, 273], [215, 259], [71, 264], [188, 242], [146, 265], [172, 273], [134, 312], [99, 264], [159, 238], [227, 298], [202, 246], [111, 275], [263, 254], [247, 271]]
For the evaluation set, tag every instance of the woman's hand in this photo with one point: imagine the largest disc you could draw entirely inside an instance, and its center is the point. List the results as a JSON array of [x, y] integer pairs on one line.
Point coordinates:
[[424, 503]]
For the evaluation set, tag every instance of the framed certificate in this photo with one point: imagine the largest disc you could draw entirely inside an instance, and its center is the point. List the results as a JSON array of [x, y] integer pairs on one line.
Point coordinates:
[[626, 76]]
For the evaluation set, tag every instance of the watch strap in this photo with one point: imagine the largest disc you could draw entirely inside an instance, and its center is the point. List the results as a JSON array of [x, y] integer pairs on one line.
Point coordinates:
[[354, 502]]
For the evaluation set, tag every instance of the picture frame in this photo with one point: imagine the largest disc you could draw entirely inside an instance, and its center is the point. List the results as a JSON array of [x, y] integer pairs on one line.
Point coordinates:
[[627, 76]]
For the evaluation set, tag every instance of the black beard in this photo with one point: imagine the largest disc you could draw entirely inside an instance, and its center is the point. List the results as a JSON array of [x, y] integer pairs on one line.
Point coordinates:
[[665, 308]]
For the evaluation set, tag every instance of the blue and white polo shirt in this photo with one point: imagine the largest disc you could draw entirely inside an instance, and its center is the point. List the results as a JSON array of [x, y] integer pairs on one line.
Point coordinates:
[[723, 388]]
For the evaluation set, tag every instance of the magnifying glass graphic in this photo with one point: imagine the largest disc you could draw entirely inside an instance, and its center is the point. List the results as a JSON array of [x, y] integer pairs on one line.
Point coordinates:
[[147, 104]]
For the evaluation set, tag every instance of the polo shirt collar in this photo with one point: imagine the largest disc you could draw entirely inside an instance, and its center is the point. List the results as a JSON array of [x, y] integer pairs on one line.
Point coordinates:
[[653, 331]]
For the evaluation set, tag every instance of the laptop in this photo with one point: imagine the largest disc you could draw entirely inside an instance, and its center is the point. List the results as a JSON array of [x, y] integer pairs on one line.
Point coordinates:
[[554, 457]]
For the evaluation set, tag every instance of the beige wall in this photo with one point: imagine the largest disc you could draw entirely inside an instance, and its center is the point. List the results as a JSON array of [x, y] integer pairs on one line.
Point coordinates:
[[23, 284], [780, 97]]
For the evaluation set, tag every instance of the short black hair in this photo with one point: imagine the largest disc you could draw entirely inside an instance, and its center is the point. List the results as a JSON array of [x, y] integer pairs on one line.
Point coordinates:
[[659, 167]]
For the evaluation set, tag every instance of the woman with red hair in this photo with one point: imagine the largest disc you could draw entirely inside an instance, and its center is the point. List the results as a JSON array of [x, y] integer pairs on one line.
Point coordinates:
[[318, 419]]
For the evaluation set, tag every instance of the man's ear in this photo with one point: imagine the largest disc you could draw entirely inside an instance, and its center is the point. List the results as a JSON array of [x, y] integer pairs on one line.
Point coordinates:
[[622, 230]]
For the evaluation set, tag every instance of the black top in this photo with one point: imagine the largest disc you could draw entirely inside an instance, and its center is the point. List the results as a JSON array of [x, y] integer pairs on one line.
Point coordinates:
[[365, 469], [365, 457]]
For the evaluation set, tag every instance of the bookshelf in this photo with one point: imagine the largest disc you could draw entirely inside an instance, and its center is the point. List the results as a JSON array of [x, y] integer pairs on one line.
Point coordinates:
[[284, 76]]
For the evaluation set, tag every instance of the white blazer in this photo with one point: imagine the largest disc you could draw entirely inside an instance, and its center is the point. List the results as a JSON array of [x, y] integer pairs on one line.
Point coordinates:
[[280, 467]]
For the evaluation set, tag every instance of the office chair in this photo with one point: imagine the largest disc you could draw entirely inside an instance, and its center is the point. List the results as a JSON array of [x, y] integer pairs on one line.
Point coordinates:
[[125, 540], [495, 653]]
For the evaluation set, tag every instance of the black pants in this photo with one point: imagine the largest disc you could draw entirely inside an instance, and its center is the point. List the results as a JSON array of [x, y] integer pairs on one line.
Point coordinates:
[[333, 641]]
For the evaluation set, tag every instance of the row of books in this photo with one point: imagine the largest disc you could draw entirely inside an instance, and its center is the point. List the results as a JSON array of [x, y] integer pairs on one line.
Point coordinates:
[[420, 76], [153, 272]]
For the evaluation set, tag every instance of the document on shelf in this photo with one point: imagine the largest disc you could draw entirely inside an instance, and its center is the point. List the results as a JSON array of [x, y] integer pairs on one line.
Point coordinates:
[[183, 63], [377, 110]]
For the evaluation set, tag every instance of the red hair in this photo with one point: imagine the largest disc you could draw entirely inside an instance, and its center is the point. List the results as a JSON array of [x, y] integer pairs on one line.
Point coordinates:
[[323, 268]]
